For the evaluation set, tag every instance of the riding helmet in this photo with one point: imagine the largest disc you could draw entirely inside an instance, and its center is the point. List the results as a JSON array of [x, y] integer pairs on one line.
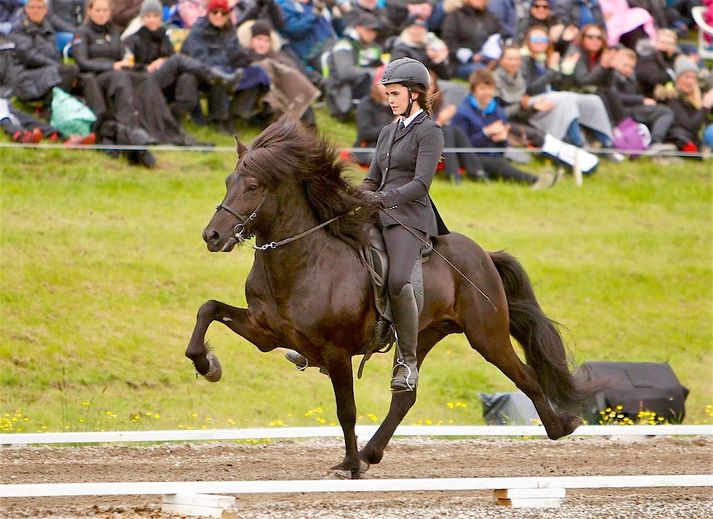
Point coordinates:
[[408, 72]]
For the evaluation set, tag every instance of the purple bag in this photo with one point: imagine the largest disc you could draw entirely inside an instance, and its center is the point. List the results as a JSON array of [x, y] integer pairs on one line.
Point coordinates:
[[631, 137]]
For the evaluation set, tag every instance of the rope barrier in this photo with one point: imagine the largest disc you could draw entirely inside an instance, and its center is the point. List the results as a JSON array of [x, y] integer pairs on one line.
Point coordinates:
[[231, 149]]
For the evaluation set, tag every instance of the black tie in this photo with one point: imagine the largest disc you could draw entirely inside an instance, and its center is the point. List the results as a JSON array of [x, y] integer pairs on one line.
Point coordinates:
[[401, 124]]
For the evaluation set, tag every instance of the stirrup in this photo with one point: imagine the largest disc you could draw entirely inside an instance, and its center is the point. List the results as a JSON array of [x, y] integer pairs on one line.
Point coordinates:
[[301, 362], [409, 386]]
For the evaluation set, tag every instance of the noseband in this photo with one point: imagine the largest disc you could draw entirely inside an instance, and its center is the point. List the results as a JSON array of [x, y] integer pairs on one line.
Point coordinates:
[[242, 223]]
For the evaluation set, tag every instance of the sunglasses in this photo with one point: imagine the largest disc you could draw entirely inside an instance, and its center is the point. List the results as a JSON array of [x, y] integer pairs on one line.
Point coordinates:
[[594, 36], [539, 39], [218, 12], [540, 6]]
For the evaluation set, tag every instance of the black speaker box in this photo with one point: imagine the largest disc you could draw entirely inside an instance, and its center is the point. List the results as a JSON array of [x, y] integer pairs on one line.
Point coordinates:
[[636, 386]]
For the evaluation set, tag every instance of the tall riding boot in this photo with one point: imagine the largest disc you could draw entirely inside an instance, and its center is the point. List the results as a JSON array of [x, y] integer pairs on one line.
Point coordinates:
[[406, 316]]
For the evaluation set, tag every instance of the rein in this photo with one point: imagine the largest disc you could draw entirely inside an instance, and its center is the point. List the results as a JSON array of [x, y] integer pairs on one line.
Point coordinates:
[[242, 222]]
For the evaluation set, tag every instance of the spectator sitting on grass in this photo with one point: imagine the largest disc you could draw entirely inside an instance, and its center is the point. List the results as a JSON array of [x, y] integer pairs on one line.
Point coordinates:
[[176, 74], [657, 117], [486, 125]]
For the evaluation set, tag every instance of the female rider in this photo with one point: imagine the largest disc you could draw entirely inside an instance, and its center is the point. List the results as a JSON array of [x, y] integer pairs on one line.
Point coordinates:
[[407, 153]]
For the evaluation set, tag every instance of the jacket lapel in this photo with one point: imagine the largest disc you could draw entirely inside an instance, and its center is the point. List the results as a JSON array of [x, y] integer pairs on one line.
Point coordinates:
[[401, 134]]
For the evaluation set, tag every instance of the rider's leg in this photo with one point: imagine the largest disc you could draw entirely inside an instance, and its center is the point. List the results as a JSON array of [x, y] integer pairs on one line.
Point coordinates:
[[403, 249]]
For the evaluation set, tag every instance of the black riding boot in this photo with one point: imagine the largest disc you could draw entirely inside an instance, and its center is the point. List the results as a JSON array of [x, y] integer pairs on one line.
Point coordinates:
[[406, 316]]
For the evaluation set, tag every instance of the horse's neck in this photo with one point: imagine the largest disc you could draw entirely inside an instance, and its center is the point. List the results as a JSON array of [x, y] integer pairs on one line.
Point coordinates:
[[287, 265]]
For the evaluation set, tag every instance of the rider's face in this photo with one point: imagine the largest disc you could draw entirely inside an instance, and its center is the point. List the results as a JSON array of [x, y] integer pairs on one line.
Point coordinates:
[[397, 96]]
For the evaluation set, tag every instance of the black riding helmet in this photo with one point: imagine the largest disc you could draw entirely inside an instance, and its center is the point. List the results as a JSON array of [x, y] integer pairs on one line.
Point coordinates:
[[408, 72]]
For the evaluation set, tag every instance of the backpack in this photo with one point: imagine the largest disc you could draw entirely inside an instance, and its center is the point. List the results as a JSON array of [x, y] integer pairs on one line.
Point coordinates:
[[631, 137], [69, 115]]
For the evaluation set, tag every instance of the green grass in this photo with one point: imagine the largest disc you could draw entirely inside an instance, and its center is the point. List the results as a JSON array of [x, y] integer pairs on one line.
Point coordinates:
[[102, 269]]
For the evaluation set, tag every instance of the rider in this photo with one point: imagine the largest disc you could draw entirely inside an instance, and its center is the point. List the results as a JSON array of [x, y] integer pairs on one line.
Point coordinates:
[[407, 153]]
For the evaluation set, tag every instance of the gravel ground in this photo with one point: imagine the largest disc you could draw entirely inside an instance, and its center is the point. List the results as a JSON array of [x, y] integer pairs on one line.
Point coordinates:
[[405, 458]]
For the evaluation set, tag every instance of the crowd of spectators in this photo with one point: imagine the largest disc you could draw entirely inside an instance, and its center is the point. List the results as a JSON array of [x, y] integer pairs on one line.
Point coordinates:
[[566, 76]]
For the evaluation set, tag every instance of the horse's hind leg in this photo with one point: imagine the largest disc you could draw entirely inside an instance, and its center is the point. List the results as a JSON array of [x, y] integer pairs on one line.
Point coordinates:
[[497, 349], [401, 403]]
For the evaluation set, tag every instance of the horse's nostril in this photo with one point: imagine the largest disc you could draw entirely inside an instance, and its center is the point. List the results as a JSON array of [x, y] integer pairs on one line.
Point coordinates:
[[210, 236]]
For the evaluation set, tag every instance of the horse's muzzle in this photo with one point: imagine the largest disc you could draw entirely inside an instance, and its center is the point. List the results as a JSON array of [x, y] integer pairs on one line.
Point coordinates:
[[212, 239]]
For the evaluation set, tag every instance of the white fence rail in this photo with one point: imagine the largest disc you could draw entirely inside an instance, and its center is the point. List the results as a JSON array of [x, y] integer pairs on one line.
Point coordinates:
[[326, 432], [357, 485]]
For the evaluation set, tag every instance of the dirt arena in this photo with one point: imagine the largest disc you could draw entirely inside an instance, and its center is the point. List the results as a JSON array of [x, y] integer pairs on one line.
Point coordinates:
[[405, 458]]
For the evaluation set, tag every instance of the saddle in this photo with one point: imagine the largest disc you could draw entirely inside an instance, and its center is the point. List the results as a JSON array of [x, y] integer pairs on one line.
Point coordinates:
[[377, 263]]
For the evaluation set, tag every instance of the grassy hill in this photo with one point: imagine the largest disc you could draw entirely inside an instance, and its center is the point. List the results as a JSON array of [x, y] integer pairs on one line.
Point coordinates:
[[102, 269]]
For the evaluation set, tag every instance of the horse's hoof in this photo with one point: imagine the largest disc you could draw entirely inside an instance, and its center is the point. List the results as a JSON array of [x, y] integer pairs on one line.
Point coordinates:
[[215, 371], [568, 424], [342, 472], [371, 457]]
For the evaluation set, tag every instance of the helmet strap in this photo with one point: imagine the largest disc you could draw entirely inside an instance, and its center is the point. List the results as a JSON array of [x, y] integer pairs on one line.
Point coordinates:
[[407, 113]]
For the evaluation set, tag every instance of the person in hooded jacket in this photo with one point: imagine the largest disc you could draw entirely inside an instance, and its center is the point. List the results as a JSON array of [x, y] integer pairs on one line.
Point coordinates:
[[214, 42], [418, 43], [177, 74]]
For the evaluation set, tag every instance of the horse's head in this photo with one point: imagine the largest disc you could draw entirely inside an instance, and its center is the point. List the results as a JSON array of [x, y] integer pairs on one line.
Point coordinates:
[[234, 218]]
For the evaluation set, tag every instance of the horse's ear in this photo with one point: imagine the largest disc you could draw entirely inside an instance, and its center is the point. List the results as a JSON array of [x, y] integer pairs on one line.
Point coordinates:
[[240, 148]]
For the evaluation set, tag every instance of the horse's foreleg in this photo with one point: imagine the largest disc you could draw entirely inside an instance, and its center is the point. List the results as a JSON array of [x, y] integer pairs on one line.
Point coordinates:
[[401, 403], [240, 320], [340, 373]]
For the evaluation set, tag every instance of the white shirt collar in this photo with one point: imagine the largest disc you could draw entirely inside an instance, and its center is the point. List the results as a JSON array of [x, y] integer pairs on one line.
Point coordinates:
[[408, 121]]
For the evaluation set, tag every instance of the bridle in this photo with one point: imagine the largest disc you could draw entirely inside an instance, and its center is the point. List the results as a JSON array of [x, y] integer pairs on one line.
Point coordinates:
[[243, 222]]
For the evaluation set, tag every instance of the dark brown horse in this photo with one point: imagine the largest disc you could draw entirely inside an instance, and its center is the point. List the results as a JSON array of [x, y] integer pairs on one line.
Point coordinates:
[[313, 294]]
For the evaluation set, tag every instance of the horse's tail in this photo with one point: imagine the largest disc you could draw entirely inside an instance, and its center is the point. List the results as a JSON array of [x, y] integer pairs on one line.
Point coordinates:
[[544, 348]]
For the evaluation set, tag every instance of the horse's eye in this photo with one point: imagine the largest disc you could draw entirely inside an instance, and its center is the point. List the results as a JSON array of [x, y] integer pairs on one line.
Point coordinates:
[[252, 188]]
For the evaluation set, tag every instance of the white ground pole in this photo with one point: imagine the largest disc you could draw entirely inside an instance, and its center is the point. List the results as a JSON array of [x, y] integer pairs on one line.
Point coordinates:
[[363, 431], [349, 485]]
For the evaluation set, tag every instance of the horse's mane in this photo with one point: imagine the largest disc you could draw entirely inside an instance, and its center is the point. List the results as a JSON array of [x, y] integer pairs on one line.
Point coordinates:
[[285, 150]]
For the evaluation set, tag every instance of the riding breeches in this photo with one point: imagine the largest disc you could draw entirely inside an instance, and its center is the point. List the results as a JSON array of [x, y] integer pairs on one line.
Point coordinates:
[[403, 249]]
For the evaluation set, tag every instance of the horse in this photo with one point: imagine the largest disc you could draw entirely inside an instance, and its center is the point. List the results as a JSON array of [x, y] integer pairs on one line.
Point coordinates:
[[309, 291]]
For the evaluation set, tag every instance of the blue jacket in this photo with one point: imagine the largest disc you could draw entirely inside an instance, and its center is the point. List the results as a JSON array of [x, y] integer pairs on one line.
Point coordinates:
[[306, 32], [472, 119]]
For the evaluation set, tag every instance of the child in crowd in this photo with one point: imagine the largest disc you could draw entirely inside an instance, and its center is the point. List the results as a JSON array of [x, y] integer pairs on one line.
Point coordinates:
[[486, 125]]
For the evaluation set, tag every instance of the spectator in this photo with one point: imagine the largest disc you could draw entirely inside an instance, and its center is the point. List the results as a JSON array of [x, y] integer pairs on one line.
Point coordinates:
[[401, 12], [655, 66], [563, 113], [453, 137], [579, 12], [19, 126], [351, 66], [137, 112], [250, 10], [387, 28], [541, 123], [65, 16], [541, 13], [291, 91], [506, 13], [486, 125], [626, 24], [658, 118], [372, 114], [308, 32], [470, 31], [10, 11], [213, 41], [416, 42], [39, 66], [691, 109], [190, 11], [594, 70], [176, 74], [123, 11]]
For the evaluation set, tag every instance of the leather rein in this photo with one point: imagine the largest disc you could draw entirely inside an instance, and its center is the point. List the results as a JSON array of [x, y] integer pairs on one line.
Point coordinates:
[[243, 222]]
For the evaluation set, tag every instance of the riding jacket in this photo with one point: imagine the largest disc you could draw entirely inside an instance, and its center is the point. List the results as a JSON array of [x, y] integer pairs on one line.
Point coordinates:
[[403, 168]]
